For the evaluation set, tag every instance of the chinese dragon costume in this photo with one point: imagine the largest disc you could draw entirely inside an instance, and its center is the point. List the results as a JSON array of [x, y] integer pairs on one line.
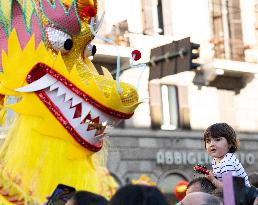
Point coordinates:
[[63, 105]]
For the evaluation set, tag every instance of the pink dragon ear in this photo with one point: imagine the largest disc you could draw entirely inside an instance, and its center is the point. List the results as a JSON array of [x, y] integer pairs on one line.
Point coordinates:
[[3, 44], [24, 33], [61, 17], [19, 24]]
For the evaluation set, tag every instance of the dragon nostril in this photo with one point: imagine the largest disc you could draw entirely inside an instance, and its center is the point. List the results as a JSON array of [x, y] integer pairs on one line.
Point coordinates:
[[68, 44], [94, 50]]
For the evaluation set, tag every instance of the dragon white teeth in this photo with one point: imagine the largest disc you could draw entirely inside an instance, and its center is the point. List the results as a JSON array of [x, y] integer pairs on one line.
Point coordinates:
[[51, 95], [61, 91], [86, 135], [68, 95], [76, 100], [42, 83], [85, 110], [94, 113], [82, 129], [66, 101], [55, 86], [64, 107], [75, 122], [89, 136], [70, 113]]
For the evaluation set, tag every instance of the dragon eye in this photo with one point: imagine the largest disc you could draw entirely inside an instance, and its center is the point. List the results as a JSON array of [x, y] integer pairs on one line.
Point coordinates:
[[59, 40], [90, 50]]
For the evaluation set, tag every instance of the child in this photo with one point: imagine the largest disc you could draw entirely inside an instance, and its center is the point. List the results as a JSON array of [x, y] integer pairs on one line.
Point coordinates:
[[221, 143]]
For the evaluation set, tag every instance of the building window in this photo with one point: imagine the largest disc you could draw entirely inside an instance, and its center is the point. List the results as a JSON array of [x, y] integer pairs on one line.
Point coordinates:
[[152, 17], [169, 98], [160, 17], [227, 29]]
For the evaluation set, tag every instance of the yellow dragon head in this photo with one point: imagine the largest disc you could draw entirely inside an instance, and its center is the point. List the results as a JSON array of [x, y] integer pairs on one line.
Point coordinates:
[[63, 104], [83, 101]]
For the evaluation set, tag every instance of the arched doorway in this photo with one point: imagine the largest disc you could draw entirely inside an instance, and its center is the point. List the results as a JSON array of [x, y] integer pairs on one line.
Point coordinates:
[[168, 181]]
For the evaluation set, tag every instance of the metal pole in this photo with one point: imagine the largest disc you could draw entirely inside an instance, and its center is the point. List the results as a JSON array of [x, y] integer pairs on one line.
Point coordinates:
[[169, 55]]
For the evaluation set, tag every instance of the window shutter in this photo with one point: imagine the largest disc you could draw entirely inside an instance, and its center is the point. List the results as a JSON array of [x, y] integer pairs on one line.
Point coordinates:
[[236, 41], [155, 104], [218, 33], [235, 47], [147, 17], [167, 17]]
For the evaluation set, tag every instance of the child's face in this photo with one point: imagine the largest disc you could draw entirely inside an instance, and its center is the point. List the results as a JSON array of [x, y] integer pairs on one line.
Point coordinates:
[[217, 147]]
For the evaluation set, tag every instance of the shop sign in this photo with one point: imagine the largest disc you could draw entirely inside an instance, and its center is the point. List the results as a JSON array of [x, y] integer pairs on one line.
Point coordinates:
[[191, 158]]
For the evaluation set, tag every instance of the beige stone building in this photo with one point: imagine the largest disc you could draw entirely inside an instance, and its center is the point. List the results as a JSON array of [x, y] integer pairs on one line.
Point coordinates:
[[163, 139]]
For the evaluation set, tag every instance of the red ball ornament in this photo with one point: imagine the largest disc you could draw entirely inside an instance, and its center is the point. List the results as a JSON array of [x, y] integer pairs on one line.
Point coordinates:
[[89, 11], [136, 55], [180, 189]]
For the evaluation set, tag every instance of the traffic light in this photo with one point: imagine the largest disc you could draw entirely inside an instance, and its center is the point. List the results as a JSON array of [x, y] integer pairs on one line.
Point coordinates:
[[188, 61], [173, 58], [195, 54]]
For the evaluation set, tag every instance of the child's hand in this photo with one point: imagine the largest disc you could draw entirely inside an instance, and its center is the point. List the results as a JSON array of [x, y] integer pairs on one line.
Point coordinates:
[[210, 176], [213, 180]]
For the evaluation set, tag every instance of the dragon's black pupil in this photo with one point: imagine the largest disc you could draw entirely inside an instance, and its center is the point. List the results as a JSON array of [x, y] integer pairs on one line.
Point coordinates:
[[94, 50], [68, 44]]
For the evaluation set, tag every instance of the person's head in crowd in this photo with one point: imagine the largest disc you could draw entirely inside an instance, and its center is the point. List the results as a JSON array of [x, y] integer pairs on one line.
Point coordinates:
[[253, 178], [138, 195], [86, 198], [200, 198], [200, 184]]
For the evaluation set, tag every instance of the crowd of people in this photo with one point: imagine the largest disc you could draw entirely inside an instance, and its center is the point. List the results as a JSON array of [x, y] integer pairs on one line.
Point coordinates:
[[200, 191], [221, 142]]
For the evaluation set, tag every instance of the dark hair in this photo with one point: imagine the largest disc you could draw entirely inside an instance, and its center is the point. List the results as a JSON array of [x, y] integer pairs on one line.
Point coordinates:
[[88, 198], [253, 179], [250, 195], [222, 130], [138, 195], [205, 184]]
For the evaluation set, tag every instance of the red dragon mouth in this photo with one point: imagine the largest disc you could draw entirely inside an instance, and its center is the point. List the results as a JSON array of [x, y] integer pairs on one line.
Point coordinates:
[[82, 116]]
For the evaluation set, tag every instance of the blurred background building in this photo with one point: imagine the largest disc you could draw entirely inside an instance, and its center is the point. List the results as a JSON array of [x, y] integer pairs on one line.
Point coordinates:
[[164, 138]]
